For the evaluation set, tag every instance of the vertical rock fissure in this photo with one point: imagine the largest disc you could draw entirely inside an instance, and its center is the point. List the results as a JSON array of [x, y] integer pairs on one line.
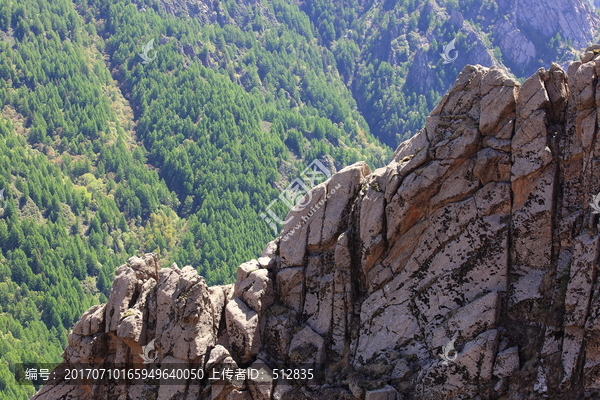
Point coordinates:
[[555, 136], [357, 279]]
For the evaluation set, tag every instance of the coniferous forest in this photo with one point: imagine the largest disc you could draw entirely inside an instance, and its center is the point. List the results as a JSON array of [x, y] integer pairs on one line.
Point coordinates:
[[104, 155]]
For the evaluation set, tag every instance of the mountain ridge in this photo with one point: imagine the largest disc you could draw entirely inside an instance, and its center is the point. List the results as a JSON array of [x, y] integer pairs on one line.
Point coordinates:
[[479, 231]]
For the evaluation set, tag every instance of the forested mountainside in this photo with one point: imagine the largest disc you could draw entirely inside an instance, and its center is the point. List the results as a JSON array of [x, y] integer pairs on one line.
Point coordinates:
[[103, 156], [110, 148], [388, 52]]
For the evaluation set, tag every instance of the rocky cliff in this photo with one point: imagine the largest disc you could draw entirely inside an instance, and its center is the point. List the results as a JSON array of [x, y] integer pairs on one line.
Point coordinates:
[[479, 231], [527, 33], [527, 24]]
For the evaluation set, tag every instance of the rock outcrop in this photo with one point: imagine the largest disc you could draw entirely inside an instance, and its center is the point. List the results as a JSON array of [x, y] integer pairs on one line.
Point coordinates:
[[528, 21], [477, 242]]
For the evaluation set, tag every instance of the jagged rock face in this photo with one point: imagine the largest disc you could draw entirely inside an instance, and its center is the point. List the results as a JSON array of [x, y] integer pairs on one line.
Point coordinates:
[[521, 29], [544, 18], [479, 231]]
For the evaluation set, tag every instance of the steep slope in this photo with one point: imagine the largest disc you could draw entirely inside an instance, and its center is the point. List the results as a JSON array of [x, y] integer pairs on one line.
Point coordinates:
[[385, 48], [64, 132], [228, 115], [478, 235], [102, 156], [523, 34], [389, 54]]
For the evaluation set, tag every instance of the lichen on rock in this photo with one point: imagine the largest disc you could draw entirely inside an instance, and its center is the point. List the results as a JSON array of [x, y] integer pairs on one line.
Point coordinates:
[[479, 231]]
